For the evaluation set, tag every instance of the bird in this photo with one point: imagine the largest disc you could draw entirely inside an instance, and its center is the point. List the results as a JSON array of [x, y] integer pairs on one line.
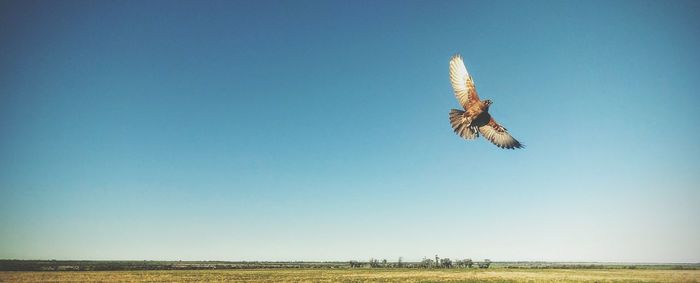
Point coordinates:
[[475, 119]]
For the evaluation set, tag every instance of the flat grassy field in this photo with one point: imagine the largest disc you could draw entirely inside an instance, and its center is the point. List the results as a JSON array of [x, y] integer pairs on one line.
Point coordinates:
[[359, 275]]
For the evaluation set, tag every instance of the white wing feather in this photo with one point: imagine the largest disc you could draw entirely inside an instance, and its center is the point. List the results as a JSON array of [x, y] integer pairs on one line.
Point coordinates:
[[462, 82]]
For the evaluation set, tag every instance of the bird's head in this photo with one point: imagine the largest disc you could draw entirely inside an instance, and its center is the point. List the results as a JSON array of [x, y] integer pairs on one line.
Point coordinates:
[[488, 102]]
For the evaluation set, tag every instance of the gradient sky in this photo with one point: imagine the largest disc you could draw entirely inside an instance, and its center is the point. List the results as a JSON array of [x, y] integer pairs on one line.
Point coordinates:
[[318, 130]]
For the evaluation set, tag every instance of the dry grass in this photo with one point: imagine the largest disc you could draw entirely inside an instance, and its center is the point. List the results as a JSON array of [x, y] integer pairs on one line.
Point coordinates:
[[360, 275]]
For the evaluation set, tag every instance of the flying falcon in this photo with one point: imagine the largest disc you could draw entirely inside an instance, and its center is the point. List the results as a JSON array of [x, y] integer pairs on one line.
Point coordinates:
[[476, 118]]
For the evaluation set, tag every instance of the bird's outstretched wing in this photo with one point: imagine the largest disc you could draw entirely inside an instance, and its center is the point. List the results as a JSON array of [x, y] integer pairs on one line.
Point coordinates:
[[462, 82], [499, 136]]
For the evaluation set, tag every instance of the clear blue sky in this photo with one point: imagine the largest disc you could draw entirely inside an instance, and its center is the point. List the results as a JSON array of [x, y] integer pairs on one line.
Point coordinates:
[[318, 130]]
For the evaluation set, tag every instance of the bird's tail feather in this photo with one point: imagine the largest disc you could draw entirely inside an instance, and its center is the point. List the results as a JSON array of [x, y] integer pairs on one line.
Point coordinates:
[[460, 126]]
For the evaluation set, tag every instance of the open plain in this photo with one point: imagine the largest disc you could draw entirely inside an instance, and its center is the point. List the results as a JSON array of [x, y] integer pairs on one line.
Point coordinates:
[[360, 275]]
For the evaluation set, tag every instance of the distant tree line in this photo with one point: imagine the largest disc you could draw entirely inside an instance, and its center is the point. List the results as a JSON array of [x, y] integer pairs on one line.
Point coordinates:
[[425, 263]]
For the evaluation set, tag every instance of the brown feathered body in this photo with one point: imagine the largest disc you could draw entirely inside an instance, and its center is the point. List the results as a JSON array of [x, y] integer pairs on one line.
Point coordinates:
[[478, 114]]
